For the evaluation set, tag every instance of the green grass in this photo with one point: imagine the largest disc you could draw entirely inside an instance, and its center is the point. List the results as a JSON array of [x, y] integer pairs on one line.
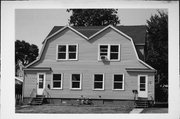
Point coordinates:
[[71, 109]]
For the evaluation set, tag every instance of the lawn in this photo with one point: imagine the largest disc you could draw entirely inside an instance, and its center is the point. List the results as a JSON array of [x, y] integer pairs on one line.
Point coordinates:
[[155, 110], [72, 109]]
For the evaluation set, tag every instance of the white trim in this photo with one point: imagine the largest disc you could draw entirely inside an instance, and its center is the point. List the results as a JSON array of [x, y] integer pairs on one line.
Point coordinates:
[[19, 79], [67, 52], [146, 88], [78, 32], [79, 84], [61, 81], [67, 26], [109, 52], [102, 82], [99, 32], [122, 82], [110, 26]]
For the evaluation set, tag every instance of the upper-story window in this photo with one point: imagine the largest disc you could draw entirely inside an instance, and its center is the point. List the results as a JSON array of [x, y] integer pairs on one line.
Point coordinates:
[[67, 52], [109, 52]]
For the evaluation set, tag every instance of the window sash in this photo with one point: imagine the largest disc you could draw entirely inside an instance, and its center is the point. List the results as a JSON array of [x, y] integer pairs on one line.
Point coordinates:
[[119, 82], [111, 54], [76, 82], [69, 54], [99, 82], [57, 78]]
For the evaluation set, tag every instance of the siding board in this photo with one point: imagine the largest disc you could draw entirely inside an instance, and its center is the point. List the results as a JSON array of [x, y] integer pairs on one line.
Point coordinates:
[[88, 65]]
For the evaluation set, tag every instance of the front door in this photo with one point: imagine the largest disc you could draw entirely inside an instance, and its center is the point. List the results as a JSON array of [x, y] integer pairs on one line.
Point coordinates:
[[142, 86], [40, 83]]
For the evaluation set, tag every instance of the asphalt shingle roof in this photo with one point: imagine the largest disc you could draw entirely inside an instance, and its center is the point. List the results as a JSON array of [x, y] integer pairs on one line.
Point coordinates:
[[137, 33]]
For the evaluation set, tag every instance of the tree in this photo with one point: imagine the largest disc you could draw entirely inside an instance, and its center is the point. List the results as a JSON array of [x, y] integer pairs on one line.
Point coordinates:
[[25, 52], [93, 17], [157, 46]]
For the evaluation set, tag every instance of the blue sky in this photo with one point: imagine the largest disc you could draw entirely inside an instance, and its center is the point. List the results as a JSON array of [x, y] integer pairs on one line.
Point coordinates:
[[33, 25]]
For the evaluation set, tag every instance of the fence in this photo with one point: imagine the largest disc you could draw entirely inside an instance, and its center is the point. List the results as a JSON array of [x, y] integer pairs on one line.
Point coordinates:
[[19, 99]]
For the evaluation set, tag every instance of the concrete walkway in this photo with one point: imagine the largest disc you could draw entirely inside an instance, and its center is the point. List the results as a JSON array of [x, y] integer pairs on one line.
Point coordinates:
[[136, 110]]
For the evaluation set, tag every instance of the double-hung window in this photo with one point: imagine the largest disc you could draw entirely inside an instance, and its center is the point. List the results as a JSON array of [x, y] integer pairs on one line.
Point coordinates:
[[98, 82], [76, 81], [109, 52], [57, 81], [67, 52], [118, 82]]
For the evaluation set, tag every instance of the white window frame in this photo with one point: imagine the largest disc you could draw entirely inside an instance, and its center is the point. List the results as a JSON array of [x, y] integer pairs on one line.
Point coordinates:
[[113, 82], [109, 52], [79, 84], [94, 81], [53, 81], [67, 52]]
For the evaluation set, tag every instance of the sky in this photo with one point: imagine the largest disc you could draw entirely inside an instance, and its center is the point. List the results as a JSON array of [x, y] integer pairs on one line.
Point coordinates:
[[33, 25]]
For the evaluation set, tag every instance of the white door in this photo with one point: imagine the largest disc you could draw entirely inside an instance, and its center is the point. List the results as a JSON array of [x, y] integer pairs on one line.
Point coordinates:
[[40, 83], [142, 86]]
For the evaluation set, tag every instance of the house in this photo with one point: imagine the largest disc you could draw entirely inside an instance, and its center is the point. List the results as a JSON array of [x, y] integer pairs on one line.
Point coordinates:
[[100, 63]]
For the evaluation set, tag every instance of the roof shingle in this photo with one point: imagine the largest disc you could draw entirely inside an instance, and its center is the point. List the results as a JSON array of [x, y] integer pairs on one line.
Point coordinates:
[[137, 33]]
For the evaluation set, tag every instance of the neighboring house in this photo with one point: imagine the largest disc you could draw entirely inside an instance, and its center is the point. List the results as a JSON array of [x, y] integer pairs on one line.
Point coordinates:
[[97, 62], [18, 80]]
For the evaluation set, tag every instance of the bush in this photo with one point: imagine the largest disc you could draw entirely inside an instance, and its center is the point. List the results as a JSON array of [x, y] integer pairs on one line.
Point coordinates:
[[161, 93]]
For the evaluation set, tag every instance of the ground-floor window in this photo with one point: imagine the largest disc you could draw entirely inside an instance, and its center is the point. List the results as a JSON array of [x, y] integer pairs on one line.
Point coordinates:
[[57, 81], [76, 81], [98, 82], [118, 82]]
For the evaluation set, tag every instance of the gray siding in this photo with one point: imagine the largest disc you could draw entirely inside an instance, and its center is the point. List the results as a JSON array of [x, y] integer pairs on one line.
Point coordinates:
[[88, 65]]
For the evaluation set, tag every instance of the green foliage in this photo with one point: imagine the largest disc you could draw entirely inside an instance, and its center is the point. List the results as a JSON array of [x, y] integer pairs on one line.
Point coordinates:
[[157, 45], [25, 52], [93, 17]]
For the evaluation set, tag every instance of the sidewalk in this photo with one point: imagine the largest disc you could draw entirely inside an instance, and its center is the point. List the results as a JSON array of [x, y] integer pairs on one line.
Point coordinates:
[[136, 110]]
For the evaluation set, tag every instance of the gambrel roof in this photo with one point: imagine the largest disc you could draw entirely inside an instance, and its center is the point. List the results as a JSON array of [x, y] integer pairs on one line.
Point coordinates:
[[132, 33], [137, 33]]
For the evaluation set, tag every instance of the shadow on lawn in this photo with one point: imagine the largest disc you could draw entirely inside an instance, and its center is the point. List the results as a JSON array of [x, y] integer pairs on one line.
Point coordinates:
[[72, 109]]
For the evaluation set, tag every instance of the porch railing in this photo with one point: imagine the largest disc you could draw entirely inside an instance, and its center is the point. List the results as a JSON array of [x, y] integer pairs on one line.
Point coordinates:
[[32, 95], [47, 95]]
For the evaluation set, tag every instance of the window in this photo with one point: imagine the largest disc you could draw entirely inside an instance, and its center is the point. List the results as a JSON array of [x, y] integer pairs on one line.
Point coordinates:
[[99, 82], [114, 52], [57, 81], [103, 50], [62, 52], [67, 52], [142, 83], [72, 51], [110, 51], [118, 82], [76, 81]]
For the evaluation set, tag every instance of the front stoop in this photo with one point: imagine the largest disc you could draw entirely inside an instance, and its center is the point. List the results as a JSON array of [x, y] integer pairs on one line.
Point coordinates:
[[38, 100], [136, 111], [142, 103]]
